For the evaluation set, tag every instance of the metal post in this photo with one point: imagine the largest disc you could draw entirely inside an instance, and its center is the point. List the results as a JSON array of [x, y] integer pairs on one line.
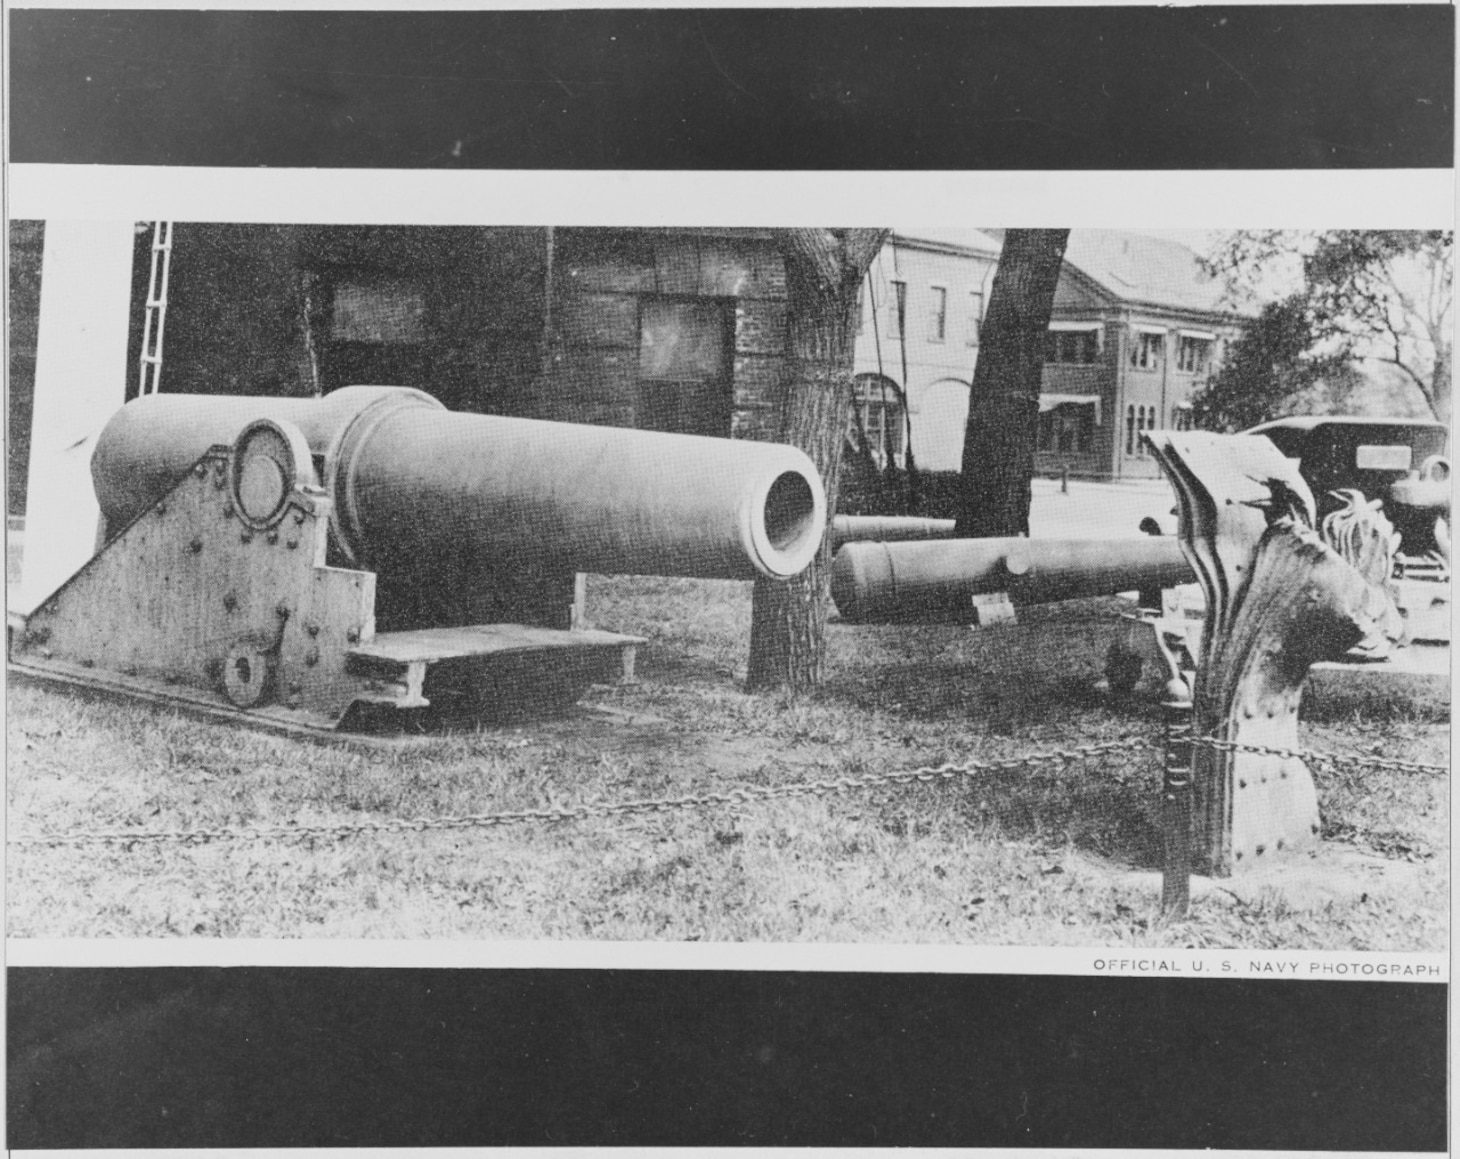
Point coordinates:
[[1176, 810]]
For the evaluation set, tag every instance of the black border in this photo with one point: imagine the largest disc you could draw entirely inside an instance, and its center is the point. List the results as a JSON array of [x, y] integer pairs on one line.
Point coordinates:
[[411, 1057], [288, 1057], [1242, 87]]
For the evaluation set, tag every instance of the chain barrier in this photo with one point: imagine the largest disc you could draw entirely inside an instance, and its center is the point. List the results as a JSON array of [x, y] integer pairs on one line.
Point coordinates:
[[738, 796], [1333, 760]]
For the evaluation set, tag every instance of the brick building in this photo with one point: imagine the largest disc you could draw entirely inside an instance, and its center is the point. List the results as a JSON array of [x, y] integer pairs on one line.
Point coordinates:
[[1137, 326], [669, 330], [679, 330]]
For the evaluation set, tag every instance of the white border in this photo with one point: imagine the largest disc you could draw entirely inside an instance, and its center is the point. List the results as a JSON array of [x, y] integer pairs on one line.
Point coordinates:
[[1227, 199], [1180, 200], [861, 957]]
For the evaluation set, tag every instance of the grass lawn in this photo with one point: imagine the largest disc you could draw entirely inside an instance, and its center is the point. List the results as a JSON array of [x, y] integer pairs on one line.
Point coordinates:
[[1050, 857]]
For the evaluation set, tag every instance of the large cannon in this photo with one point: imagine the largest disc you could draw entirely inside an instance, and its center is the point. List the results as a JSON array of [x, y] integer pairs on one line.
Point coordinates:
[[295, 558]]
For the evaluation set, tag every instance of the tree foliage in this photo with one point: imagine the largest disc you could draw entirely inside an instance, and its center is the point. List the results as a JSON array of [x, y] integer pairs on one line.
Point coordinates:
[[1386, 295], [1003, 413], [1269, 372]]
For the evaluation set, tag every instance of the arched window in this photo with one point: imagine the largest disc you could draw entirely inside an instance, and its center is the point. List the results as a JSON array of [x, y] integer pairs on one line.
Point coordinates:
[[1130, 430], [878, 411]]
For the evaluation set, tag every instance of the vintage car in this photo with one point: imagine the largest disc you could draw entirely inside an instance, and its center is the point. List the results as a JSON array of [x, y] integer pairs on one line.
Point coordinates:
[[1402, 462]]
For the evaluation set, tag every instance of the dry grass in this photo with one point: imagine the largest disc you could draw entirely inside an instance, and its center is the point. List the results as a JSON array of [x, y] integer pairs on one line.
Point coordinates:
[[1018, 858]]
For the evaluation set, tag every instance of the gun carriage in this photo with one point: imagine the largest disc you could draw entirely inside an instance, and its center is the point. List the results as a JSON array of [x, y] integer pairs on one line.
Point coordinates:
[[304, 562]]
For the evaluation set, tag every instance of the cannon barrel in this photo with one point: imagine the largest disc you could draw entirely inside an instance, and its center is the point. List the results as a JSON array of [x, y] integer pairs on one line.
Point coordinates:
[[887, 528], [442, 494], [933, 581]]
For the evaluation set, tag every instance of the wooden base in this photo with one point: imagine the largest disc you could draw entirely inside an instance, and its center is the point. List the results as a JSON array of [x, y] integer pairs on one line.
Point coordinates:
[[476, 675]]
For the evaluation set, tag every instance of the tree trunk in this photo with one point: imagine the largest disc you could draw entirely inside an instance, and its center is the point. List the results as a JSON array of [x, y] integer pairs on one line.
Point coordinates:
[[1003, 412], [824, 271], [1440, 375]]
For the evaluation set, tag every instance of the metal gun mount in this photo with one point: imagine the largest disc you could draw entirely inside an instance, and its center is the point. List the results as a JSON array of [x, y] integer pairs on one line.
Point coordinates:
[[305, 563], [1399, 464], [1279, 599]]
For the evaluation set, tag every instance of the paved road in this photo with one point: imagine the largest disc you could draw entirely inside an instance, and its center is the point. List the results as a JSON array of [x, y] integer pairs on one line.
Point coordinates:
[[1099, 510]]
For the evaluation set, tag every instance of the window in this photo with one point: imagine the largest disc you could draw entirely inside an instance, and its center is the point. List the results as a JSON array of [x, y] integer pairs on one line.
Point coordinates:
[[877, 414], [681, 339], [898, 322], [1139, 420], [1194, 354], [938, 320], [1072, 347], [1181, 419], [1146, 349], [381, 312], [975, 316], [373, 330], [1067, 428], [685, 381]]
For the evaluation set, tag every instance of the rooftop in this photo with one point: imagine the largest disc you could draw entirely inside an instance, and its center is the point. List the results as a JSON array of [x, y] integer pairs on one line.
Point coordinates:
[[1136, 267], [954, 237]]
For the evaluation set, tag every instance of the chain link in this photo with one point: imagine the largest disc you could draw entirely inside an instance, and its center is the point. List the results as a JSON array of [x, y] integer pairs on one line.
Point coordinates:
[[1333, 760], [738, 796]]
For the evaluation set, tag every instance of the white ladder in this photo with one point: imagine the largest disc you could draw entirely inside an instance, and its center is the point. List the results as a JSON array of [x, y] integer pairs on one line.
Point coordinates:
[[150, 367]]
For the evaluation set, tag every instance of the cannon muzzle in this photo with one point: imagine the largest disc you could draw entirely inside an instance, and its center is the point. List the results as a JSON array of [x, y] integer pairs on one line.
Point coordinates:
[[933, 581], [421, 491]]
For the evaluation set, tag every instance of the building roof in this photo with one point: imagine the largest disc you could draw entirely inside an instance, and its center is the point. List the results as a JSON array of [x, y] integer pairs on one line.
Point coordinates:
[[1139, 268], [960, 238]]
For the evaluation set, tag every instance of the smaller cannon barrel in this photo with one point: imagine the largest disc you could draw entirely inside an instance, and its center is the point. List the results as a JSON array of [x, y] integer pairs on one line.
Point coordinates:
[[426, 495], [880, 583], [887, 528]]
